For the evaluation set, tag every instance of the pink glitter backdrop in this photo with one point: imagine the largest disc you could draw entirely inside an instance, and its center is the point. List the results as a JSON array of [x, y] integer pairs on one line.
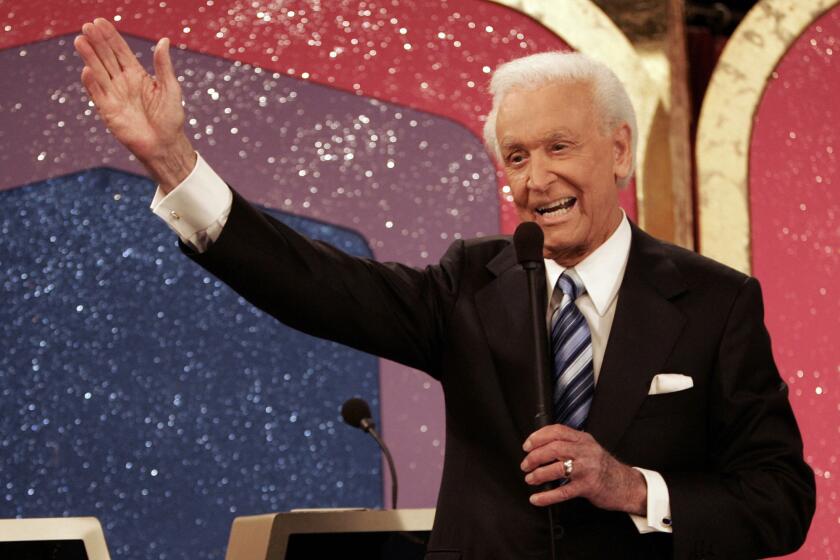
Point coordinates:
[[795, 206], [431, 55]]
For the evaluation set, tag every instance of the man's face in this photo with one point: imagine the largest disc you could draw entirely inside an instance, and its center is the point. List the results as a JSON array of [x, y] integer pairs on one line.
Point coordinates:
[[561, 167]]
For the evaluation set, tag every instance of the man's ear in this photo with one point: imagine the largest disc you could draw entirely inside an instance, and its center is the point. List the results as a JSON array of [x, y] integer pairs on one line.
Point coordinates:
[[622, 151]]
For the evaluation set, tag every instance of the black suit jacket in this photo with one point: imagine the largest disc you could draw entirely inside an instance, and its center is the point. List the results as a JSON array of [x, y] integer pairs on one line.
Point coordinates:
[[729, 448]]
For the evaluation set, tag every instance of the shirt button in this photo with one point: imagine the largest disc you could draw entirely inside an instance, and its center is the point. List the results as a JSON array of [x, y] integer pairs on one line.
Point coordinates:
[[666, 521], [174, 215]]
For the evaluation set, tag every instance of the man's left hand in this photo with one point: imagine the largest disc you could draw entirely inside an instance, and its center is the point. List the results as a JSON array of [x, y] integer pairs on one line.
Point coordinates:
[[596, 475]]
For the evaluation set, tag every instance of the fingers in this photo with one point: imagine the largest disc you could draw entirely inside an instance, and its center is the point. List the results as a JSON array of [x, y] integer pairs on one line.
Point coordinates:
[[164, 71], [91, 84], [542, 473], [553, 432], [547, 448], [555, 495], [101, 47], [123, 53], [96, 72], [547, 473], [549, 453]]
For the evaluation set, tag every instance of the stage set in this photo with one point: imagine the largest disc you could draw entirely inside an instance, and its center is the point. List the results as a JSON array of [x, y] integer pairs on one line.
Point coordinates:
[[140, 390]]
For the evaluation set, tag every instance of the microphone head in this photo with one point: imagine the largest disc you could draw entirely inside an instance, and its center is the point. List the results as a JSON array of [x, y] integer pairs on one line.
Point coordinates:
[[354, 411], [528, 242]]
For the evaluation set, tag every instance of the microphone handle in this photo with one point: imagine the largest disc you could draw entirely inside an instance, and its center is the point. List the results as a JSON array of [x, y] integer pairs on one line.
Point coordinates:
[[544, 402], [394, 486], [540, 337]]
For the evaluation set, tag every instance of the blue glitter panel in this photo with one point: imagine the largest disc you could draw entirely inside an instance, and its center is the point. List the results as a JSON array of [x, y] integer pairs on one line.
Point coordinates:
[[139, 389]]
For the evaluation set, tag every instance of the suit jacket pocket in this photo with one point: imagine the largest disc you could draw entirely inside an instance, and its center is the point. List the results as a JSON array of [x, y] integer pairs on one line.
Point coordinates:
[[666, 404], [443, 555]]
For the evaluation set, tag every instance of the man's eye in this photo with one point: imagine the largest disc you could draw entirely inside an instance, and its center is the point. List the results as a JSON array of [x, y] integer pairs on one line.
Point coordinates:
[[558, 147], [516, 158]]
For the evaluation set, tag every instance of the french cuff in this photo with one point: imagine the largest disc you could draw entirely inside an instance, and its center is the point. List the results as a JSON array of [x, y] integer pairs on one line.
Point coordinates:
[[658, 505], [197, 207]]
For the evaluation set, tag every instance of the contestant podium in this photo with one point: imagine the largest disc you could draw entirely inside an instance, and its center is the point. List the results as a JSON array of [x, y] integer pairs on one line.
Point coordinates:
[[331, 533], [56, 538]]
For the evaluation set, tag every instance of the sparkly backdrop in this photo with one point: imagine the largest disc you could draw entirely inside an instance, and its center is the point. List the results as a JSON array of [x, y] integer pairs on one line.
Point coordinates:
[[795, 235], [274, 82], [361, 114], [136, 388], [277, 92]]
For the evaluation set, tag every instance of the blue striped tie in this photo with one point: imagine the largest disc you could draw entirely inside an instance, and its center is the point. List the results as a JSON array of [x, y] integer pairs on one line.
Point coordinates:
[[571, 343]]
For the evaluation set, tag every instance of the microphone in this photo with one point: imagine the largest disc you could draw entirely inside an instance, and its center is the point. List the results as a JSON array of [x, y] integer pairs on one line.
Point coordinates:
[[356, 413], [528, 242]]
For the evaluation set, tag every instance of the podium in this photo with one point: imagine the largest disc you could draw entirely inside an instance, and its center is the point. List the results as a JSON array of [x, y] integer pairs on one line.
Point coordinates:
[[56, 538], [331, 533]]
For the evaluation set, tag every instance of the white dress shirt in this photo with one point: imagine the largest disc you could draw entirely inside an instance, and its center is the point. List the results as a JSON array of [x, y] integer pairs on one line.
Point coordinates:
[[198, 208]]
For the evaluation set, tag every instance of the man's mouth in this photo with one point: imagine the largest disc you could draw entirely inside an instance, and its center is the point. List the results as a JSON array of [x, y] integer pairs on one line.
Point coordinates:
[[557, 207]]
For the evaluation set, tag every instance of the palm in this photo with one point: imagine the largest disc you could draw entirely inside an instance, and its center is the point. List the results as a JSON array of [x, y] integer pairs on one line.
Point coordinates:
[[140, 112], [144, 113]]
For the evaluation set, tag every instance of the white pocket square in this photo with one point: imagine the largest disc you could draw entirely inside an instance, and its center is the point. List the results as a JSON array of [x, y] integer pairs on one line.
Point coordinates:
[[670, 383]]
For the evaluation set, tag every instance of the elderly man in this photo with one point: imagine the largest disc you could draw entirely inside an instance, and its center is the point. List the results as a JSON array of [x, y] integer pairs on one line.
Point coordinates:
[[672, 436]]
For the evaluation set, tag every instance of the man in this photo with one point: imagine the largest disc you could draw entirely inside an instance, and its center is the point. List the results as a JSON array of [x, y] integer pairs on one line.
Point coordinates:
[[673, 434]]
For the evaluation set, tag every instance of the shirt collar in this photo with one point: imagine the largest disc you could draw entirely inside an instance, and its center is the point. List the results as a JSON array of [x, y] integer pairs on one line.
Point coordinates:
[[602, 271]]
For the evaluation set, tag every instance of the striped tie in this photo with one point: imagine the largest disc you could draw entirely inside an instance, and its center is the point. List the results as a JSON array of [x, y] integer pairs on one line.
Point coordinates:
[[571, 343]]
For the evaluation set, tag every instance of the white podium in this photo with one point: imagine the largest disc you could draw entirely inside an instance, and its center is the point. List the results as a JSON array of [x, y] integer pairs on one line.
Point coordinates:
[[308, 533]]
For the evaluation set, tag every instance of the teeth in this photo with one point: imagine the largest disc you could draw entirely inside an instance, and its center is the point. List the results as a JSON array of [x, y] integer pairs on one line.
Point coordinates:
[[560, 206]]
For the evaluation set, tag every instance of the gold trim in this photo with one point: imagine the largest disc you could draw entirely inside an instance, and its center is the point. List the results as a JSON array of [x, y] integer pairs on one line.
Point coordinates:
[[726, 119], [679, 129], [586, 28]]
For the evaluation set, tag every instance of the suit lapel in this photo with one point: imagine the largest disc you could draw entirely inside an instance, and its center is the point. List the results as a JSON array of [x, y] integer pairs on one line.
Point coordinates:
[[637, 349], [643, 333], [504, 311]]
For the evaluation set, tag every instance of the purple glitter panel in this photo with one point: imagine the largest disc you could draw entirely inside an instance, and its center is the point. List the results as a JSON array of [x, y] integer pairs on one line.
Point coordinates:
[[409, 182], [137, 388]]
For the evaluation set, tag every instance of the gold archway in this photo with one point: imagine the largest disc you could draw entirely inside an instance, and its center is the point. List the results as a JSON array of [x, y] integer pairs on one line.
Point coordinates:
[[726, 121]]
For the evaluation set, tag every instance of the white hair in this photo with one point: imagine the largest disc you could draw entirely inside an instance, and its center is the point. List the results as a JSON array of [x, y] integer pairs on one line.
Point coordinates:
[[531, 72]]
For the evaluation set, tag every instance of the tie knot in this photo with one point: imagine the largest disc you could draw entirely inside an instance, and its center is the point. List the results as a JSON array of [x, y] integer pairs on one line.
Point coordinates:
[[571, 284]]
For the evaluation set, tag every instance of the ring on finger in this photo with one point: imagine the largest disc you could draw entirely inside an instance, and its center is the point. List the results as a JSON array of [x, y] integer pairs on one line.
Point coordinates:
[[568, 467]]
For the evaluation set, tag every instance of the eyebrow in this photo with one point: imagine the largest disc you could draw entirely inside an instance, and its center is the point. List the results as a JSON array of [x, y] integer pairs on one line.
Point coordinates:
[[554, 135]]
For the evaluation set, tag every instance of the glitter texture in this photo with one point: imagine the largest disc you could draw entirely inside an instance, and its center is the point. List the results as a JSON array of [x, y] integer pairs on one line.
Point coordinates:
[[412, 74], [795, 218], [358, 47], [432, 55], [139, 389], [409, 182]]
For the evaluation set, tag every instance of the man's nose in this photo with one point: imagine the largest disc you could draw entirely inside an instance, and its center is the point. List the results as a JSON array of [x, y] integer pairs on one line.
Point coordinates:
[[540, 174]]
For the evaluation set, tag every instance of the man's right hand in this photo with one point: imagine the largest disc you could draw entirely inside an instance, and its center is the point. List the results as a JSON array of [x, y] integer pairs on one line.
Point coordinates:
[[144, 113]]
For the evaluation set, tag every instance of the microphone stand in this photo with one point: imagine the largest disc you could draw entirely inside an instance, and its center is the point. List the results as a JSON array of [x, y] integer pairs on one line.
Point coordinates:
[[394, 486], [369, 426]]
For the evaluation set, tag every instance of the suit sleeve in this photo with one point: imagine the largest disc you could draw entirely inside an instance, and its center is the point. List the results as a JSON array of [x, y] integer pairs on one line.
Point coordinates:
[[387, 309], [756, 498]]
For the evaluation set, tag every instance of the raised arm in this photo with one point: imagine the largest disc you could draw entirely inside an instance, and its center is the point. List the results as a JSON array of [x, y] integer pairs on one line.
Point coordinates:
[[143, 112]]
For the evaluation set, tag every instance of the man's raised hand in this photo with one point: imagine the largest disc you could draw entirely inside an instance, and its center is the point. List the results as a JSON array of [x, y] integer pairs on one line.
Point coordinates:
[[144, 113]]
